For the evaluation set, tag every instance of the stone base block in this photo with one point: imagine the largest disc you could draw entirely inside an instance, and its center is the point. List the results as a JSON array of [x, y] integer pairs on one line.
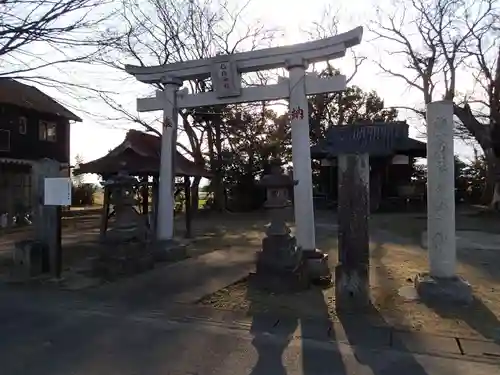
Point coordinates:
[[443, 290], [279, 252], [317, 265], [123, 235], [30, 259], [279, 282], [169, 250], [352, 287], [111, 268]]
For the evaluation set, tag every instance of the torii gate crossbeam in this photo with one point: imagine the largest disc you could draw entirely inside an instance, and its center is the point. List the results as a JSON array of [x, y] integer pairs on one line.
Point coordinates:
[[225, 71]]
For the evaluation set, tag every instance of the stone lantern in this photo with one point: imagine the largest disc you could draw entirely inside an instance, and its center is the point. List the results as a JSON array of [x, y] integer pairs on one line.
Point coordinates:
[[277, 187], [279, 263], [128, 225]]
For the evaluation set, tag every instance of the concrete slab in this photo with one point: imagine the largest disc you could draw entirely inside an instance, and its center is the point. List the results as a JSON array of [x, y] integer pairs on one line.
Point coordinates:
[[360, 334], [480, 348], [64, 343], [424, 343]]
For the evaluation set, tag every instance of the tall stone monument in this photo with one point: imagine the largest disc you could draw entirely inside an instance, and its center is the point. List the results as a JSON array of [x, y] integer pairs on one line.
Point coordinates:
[[441, 284]]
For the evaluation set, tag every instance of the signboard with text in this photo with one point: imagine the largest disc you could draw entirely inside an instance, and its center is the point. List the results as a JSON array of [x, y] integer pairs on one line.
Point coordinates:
[[57, 191]]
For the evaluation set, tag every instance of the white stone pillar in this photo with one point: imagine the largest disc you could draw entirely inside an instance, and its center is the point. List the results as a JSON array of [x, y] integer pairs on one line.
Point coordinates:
[[441, 242], [165, 224], [301, 156]]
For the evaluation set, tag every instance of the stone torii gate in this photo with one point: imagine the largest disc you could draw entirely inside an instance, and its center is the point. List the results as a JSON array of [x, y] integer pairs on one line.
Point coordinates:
[[225, 72]]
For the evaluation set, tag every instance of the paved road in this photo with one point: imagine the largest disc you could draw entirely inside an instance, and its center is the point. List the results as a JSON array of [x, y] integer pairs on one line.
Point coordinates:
[[55, 341]]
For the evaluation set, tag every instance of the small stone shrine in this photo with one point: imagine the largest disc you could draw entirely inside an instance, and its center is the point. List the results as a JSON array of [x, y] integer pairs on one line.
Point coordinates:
[[281, 265]]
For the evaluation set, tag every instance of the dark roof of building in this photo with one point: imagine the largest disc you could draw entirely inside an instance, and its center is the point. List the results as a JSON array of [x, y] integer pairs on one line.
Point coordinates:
[[376, 139], [139, 154], [25, 96]]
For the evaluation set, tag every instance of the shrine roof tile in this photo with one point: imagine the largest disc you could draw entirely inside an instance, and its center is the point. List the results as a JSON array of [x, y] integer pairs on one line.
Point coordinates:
[[139, 153], [376, 139]]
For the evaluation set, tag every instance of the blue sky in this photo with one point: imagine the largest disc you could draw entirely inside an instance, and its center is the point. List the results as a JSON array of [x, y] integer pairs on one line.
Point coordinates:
[[93, 137]]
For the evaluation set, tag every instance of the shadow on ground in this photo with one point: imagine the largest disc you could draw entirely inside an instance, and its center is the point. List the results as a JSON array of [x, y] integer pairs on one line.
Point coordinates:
[[359, 328], [476, 315], [271, 354]]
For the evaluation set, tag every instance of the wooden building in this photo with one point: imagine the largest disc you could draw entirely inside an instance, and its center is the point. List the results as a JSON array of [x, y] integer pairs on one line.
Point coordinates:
[[139, 155], [33, 126], [392, 155]]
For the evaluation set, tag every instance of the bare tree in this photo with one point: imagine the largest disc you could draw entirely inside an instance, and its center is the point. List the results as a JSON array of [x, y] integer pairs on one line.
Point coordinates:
[[328, 109], [444, 44], [156, 32], [36, 34]]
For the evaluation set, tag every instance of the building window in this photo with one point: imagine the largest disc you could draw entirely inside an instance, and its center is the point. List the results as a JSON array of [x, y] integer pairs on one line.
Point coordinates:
[[23, 125], [47, 131], [4, 140]]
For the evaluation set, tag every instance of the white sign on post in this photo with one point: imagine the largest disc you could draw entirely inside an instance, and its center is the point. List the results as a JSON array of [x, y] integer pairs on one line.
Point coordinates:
[[57, 191]]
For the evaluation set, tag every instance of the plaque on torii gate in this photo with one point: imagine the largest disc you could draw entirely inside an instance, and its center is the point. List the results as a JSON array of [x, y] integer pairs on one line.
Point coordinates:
[[225, 71]]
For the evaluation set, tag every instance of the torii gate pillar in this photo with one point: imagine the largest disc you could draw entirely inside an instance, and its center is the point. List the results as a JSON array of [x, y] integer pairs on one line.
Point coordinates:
[[301, 155], [166, 199]]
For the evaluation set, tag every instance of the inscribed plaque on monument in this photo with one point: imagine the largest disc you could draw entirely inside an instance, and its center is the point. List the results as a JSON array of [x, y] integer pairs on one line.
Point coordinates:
[[57, 191], [225, 78]]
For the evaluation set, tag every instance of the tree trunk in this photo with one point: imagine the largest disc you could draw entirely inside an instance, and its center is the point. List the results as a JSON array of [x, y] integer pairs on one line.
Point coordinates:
[[218, 186], [482, 134], [214, 152], [212, 161], [491, 194], [195, 197]]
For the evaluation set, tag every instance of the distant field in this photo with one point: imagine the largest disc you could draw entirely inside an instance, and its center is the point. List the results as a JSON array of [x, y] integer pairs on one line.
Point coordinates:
[[202, 199], [99, 198]]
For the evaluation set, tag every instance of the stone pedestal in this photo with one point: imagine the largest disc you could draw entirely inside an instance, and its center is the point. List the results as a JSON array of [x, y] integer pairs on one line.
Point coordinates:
[[443, 290], [352, 287], [168, 250], [441, 284], [316, 263], [31, 259], [121, 261], [278, 251]]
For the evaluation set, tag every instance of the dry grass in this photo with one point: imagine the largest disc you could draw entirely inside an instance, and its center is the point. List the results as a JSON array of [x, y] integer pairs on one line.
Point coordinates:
[[80, 237], [394, 263]]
